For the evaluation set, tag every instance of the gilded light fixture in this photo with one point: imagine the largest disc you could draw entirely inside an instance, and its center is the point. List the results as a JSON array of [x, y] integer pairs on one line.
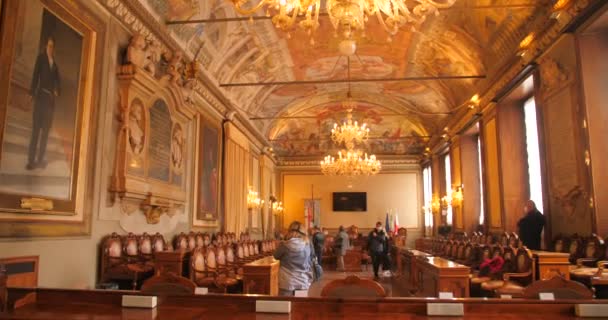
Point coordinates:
[[352, 163], [349, 133], [347, 16], [277, 207], [253, 201]]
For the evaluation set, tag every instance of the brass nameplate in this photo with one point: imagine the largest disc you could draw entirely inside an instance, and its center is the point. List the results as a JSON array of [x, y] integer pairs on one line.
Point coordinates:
[[37, 204]]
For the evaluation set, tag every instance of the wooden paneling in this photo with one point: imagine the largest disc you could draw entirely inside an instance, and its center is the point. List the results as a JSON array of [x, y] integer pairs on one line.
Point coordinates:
[[261, 277], [76, 304], [470, 179], [513, 160], [21, 271], [492, 175], [594, 72], [567, 177]]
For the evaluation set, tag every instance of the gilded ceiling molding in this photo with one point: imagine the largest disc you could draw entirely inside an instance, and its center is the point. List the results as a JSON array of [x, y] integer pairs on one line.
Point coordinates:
[[542, 41]]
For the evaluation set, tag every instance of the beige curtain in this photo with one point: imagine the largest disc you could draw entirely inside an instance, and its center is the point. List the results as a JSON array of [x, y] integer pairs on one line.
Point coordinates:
[[236, 179], [266, 212]]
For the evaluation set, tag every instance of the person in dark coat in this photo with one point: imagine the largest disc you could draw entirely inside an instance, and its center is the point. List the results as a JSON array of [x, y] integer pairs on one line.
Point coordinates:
[[318, 242], [45, 88], [377, 245], [531, 226]]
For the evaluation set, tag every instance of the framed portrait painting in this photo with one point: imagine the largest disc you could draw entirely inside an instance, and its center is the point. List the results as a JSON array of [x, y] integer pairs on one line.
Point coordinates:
[[47, 100], [208, 175]]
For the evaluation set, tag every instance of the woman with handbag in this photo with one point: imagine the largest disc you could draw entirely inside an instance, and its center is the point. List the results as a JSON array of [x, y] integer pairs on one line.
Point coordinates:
[[296, 271]]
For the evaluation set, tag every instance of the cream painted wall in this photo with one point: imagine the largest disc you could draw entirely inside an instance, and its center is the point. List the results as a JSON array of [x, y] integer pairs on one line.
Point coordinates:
[[399, 191]]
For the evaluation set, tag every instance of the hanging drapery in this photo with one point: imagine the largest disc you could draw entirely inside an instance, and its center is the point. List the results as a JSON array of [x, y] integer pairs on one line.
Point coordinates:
[[236, 179]]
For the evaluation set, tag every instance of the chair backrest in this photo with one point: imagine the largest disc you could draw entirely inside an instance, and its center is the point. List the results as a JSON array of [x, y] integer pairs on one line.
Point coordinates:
[[353, 286], [191, 241], [524, 262], [575, 248], [504, 239], [560, 244], [210, 258], [560, 287], [230, 258], [220, 255], [112, 248], [145, 244], [199, 239], [240, 251], [514, 240], [181, 242], [206, 239], [131, 247], [168, 284], [594, 248], [159, 242]]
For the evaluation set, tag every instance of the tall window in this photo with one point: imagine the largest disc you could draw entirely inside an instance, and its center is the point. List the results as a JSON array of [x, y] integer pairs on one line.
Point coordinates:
[[427, 184], [482, 213], [532, 147], [448, 188]]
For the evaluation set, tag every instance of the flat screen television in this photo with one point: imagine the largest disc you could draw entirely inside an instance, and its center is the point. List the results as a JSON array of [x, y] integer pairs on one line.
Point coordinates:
[[350, 201]]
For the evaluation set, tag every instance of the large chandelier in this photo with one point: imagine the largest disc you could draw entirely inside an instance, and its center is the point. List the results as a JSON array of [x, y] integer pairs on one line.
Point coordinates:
[[349, 133], [347, 16], [351, 164]]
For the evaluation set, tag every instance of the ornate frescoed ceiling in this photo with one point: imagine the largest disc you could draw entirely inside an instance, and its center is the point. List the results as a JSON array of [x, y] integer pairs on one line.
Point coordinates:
[[473, 38]]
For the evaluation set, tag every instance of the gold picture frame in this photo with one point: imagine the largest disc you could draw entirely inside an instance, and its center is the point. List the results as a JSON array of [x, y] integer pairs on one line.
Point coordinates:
[[207, 212], [49, 87]]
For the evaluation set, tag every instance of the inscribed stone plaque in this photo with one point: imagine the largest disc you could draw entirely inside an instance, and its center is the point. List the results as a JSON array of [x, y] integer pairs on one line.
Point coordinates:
[[159, 151]]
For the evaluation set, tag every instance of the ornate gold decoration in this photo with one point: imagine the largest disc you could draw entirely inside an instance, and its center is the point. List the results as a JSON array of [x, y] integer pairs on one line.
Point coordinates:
[[553, 76], [569, 200], [353, 163], [253, 201], [349, 133], [347, 16], [37, 204]]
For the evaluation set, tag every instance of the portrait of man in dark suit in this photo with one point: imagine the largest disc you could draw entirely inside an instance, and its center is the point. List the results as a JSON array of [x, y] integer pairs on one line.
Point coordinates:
[[45, 88]]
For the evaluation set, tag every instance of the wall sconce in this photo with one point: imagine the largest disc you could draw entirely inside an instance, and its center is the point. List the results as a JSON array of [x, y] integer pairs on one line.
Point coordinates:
[[253, 201], [457, 196], [277, 207], [435, 204], [560, 12]]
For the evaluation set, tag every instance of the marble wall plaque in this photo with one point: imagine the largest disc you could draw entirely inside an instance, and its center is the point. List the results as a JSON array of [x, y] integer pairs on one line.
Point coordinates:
[[159, 149]]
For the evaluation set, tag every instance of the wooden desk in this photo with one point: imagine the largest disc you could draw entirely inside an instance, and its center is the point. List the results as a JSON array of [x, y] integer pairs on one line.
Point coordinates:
[[105, 304], [261, 277], [172, 261], [551, 263], [440, 275]]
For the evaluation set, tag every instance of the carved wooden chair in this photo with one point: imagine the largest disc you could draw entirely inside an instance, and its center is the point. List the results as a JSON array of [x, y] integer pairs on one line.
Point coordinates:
[[191, 241], [600, 280], [514, 241], [232, 264], [504, 239], [514, 283], [560, 244], [587, 266], [353, 286], [199, 273], [181, 242], [560, 287], [121, 262], [206, 239], [252, 253], [467, 258], [256, 250], [146, 249], [199, 239], [224, 278], [159, 243], [575, 249], [168, 284]]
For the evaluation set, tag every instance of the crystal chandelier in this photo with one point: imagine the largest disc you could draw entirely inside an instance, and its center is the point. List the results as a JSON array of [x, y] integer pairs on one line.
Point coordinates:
[[346, 16], [349, 133], [351, 164]]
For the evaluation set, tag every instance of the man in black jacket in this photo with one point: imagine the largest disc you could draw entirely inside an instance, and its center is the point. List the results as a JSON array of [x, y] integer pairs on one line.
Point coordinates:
[[318, 241], [377, 244], [531, 226], [45, 88]]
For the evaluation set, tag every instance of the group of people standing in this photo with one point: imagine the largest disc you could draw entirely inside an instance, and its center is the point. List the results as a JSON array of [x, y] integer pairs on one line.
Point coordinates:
[[299, 255]]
